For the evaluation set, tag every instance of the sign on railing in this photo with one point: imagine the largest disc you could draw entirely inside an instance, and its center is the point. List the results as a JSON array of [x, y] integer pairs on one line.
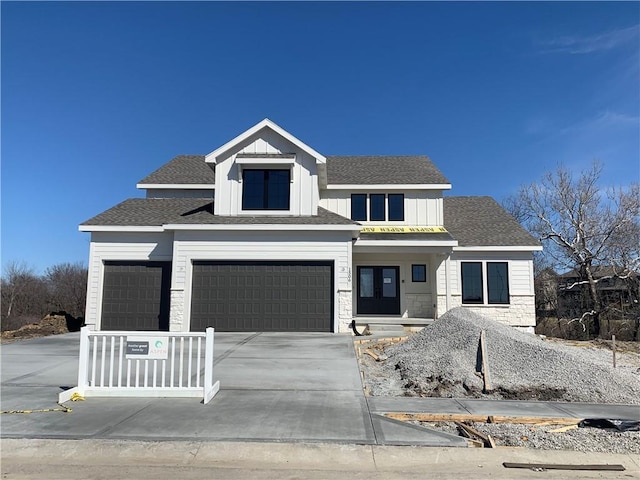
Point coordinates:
[[145, 364]]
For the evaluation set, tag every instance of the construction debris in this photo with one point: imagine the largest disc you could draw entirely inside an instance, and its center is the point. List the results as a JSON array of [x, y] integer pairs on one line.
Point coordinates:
[[441, 360]]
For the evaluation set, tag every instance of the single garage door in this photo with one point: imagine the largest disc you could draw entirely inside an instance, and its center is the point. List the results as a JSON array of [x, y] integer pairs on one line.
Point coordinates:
[[136, 296], [262, 296]]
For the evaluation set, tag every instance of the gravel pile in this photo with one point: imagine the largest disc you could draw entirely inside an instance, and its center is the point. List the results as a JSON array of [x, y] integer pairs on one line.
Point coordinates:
[[442, 360]]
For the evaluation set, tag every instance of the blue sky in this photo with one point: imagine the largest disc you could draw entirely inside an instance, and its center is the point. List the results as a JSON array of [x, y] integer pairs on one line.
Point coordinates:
[[97, 95]]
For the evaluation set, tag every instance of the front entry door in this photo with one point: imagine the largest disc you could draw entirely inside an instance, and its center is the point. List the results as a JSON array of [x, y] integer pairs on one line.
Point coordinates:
[[378, 291]]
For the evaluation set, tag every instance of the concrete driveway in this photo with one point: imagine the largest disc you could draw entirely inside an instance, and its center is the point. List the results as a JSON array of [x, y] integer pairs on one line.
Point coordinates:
[[274, 386]]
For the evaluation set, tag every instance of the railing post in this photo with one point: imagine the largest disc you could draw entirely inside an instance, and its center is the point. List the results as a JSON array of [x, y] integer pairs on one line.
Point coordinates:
[[83, 361], [209, 388]]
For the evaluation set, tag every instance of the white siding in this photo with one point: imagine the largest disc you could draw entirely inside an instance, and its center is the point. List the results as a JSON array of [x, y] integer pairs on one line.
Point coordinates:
[[120, 246], [190, 246], [421, 207], [304, 185], [521, 309]]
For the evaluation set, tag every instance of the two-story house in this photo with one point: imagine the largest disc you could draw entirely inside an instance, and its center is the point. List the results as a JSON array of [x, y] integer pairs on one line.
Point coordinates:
[[267, 234]]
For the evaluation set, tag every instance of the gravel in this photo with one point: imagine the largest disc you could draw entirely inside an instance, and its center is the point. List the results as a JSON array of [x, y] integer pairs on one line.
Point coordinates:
[[531, 436], [442, 360]]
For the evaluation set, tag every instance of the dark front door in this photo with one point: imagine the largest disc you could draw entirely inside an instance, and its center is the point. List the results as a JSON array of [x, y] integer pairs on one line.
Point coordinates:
[[378, 291]]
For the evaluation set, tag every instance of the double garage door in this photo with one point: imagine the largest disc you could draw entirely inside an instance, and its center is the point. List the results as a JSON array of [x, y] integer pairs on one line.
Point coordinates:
[[229, 296], [262, 296]]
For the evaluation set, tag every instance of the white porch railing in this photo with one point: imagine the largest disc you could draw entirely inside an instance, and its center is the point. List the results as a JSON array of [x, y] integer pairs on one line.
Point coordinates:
[[145, 364]]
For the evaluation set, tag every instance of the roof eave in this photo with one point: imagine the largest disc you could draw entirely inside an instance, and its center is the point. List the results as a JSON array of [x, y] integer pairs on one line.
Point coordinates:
[[498, 248], [390, 186], [176, 186]]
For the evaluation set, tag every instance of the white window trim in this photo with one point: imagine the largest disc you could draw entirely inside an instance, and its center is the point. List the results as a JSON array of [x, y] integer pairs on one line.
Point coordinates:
[[485, 284]]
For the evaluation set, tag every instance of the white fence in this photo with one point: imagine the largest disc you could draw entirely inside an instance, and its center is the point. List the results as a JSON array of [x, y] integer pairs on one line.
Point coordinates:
[[145, 364]]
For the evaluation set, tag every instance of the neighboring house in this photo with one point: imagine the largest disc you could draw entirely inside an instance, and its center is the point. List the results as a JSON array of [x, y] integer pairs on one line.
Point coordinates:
[[302, 242], [618, 289]]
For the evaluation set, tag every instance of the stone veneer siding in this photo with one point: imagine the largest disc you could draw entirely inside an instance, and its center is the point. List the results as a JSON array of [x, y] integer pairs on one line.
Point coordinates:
[[345, 309], [521, 312], [418, 305]]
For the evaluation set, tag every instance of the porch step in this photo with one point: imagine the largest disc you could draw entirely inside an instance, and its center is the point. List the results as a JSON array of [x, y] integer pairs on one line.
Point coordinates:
[[391, 330]]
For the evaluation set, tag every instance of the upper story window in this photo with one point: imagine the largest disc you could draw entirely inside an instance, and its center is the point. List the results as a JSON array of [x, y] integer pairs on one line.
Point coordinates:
[[358, 206], [396, 207], [482, 280], [376, 207], [264, 189], [382, 207]]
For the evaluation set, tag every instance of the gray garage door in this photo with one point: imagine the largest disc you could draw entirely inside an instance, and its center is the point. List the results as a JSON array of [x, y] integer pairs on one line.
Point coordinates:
[[262, 296], [136, 296]]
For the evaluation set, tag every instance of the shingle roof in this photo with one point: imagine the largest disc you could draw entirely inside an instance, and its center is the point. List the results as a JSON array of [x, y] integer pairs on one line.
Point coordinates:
[[382, 170], [341, 170], [162, 211], [481, 221], [183, 169]]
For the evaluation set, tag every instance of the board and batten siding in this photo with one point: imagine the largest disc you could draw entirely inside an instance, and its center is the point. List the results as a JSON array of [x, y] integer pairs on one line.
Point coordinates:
[[304, 181], [108, 246], [421, 207], [257, 246]]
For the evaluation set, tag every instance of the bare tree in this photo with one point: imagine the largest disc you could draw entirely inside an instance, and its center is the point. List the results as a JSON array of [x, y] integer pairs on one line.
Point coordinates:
[[67, 284], [583, 226], [24, 295]]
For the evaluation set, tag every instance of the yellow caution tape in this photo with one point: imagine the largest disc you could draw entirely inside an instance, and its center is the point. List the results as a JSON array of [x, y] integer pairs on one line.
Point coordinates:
[[76, 397], [41, 410]]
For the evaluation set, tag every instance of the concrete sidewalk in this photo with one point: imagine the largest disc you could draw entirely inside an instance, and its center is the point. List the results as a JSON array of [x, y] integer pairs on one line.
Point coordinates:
[[275, 387], [109, 459]]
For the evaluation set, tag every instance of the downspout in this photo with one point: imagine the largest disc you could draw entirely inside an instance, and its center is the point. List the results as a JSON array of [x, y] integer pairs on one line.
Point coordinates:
[[447, 266]]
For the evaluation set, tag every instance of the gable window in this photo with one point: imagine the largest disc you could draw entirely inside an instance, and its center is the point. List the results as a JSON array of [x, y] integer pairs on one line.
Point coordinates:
[[418, 273], [266, 189], [376, 207], [482, 280], [358, 206], [381, 207], [396, 207]]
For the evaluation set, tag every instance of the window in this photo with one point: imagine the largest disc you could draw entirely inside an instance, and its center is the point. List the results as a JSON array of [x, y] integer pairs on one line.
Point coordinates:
[[418, 273], [498, 282], [376, 207], [358, 206], [381, 207], [265, 189], [473, 284], [396, 207]]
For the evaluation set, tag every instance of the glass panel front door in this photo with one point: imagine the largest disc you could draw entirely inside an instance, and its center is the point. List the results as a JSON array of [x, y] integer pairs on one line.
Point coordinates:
[[378, 291]]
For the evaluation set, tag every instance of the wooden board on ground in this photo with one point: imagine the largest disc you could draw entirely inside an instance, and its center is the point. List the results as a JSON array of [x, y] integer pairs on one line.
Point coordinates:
[[461, 417]]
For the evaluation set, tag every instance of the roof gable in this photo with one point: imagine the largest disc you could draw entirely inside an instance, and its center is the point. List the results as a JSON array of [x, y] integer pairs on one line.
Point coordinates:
[[247, 134]]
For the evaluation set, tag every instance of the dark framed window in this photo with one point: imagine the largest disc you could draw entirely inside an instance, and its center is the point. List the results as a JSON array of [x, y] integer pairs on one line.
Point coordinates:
[[266, 189], [498, 282], [396, 206], [358, 206], [472, 282], [418, 273], [376, 207]]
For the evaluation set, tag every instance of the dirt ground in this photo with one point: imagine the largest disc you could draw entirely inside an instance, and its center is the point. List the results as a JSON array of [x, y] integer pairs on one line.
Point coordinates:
[[379, 380], [49, 325]]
